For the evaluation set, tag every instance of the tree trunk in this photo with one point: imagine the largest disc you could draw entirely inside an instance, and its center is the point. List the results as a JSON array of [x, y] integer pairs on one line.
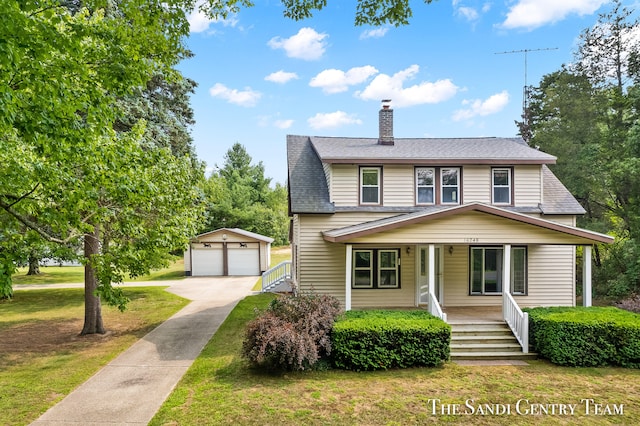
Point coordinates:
[[92, 306], [34, 265]]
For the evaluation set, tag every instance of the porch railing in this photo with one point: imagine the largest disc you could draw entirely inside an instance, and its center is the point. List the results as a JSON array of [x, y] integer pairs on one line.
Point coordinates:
[[517, 320], [434, 307], [276, 275]]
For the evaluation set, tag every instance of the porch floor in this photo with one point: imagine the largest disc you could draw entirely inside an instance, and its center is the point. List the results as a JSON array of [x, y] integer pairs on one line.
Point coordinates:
[[474, 314]]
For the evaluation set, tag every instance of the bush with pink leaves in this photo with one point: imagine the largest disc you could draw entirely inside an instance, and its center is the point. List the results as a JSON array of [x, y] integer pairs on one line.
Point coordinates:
[[293, 333]]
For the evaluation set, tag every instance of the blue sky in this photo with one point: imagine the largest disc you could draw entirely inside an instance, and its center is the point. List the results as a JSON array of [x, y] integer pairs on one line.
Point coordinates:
[[262, 76]]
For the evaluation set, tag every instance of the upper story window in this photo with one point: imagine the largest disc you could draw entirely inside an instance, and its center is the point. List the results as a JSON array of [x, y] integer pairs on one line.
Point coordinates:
[[370, 178], [425, 185], [501, 186], [450, 184]]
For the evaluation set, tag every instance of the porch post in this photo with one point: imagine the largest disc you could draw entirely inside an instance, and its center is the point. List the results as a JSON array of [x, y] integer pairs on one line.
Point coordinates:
[[586, 276], [506, 276], [347, 278], [432, 270]]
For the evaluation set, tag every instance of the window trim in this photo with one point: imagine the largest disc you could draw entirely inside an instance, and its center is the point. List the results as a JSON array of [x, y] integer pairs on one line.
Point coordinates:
[[371, 269], [432, 186], [376, 269], [509, 171], [396, 268], [457, 186], [511, 278], [361, 186]]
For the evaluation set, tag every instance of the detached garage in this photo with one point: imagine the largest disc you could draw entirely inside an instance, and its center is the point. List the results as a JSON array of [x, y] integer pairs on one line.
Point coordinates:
[[227, 251]]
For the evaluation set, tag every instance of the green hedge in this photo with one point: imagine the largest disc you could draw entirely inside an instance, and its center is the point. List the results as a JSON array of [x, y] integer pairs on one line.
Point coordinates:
[[374, 340], [586, 337]]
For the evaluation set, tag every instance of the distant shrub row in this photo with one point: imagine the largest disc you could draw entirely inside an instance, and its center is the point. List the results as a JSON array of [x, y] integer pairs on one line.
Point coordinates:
[[373, 340], [589, 337]]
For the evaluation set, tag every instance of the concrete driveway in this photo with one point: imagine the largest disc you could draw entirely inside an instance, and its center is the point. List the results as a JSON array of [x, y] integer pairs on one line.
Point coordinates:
[[131, 388]]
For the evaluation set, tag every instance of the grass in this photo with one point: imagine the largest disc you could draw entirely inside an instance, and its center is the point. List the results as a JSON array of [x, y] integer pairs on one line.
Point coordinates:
[[75, 274], [42, 358], [220, 388], [278, 254]]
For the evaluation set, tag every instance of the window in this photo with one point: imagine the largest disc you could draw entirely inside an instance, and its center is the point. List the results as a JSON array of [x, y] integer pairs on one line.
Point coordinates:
[[376, 268], [370, 185], [486, 270], [450, 184], [519, 270], [501, 184], [362, 268], [388, 268], [425, 185]]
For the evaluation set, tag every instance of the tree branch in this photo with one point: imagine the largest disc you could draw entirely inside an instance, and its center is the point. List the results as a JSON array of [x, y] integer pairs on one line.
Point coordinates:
[[32, 225]]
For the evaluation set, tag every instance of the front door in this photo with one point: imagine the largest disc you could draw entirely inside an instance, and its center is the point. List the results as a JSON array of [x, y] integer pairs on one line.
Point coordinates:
[[423, 274]]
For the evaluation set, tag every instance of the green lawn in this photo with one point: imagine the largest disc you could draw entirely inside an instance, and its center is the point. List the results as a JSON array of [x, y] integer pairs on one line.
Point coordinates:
[[75, 274], [42, 356], [220, 389]]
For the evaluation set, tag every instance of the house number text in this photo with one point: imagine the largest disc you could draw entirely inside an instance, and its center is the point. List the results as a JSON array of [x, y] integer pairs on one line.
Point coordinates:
[[471, 239]]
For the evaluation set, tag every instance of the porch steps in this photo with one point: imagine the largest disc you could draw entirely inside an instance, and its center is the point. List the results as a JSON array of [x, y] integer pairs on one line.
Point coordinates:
[[492, 340]]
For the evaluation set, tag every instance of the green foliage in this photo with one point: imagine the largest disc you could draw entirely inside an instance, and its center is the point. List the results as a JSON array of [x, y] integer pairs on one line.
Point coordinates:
[[293, 333], [587, 337], [71, 71], [587, 115], [374, 340], [238, 195]]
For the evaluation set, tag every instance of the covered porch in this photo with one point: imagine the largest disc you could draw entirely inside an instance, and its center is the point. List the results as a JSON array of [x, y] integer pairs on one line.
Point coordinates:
[[447, 288]]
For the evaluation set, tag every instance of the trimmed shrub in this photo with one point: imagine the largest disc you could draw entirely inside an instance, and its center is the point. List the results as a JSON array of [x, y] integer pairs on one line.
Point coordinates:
[[293, 333], [586, 337], [375, 340]]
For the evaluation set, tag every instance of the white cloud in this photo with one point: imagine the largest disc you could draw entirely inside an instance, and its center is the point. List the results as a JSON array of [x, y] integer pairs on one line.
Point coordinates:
[[374, 33], [199, 22], [336, 81], [283, 124], [478, 107], [307, 44], [392, 87], [245, 98], [532, 14], [468, 13], [281, 77], [332, 119]]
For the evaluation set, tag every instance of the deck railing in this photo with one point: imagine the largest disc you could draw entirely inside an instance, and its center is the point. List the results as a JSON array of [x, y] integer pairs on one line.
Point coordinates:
[[517, 320], [276, 275], [434, 307]]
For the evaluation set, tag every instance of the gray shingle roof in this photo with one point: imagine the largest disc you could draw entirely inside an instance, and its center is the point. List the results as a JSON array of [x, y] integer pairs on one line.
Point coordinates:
[[556, 197], [308, 191], [430, 151]]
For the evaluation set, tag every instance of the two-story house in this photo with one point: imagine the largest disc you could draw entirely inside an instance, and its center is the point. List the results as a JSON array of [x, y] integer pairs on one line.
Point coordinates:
[[434, 222]]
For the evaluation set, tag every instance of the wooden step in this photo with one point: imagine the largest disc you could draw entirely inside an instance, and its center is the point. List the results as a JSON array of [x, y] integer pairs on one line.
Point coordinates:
[[482, 347], [482, 356], [485, 340]]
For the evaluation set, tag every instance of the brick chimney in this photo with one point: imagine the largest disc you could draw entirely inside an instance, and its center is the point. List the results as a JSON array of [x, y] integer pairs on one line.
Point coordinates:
[[386, 123]]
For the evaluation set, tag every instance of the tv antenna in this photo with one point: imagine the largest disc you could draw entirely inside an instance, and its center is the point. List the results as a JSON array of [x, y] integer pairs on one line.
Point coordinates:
[[526, 88]]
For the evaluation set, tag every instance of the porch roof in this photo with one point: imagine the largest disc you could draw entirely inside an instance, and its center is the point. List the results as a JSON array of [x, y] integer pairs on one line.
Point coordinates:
[[392, 223]]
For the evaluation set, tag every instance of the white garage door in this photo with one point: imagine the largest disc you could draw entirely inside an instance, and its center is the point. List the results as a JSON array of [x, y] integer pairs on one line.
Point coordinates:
[[244, 261], [206, 261]]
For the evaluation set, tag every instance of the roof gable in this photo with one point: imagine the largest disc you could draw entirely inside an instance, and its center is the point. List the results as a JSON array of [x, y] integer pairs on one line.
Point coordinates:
[[395, 222], [237, 231]]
